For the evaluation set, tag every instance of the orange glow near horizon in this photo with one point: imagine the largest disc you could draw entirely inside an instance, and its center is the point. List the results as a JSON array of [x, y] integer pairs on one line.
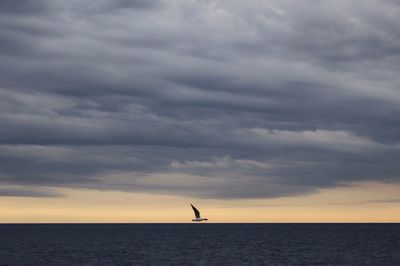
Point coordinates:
[[366, 202]]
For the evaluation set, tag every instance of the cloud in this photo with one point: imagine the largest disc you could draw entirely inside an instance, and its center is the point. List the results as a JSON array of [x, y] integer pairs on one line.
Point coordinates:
[[385, 201], [23, 192], [22, 7], [220, 99], [376, 201]]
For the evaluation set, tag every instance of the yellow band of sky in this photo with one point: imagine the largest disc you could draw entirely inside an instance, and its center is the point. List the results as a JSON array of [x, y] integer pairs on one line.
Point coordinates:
[[365, 202]]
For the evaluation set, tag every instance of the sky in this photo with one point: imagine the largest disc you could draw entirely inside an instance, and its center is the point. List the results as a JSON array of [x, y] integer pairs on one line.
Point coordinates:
[[254, 111]]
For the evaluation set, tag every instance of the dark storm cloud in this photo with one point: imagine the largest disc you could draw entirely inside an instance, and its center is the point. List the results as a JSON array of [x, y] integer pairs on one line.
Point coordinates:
[[31, 7], [141, 4], [220, 99], [22, 7]]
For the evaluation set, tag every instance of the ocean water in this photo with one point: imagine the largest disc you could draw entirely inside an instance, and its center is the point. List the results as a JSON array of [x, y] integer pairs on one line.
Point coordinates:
[[200, 244]]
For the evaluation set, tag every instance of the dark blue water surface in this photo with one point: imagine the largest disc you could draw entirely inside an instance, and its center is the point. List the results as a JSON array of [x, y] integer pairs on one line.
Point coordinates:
[[200, 244]]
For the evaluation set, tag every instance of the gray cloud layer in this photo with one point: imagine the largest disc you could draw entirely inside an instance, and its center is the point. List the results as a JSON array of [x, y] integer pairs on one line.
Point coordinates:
[[220, 99]]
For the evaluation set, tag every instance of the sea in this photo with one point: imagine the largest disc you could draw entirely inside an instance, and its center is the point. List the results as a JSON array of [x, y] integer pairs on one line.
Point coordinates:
[[200, 244]]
